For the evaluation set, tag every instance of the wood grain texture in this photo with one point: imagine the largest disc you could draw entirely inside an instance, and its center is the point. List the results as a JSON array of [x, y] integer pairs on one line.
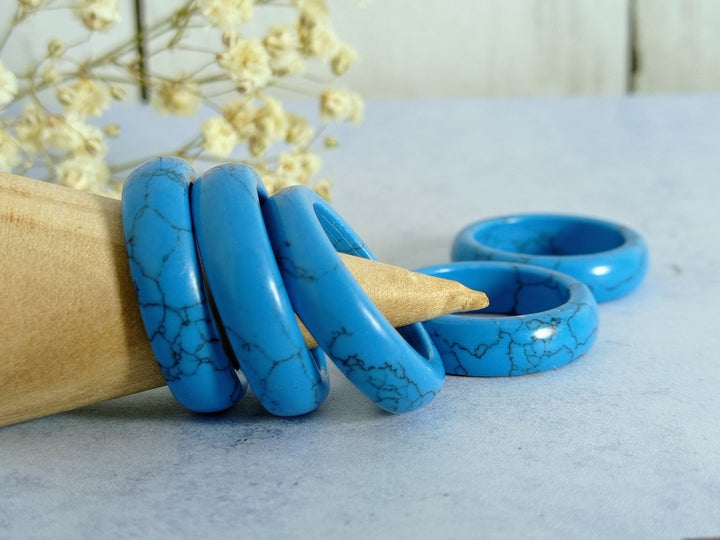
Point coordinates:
[[677, 46], [72, 332]]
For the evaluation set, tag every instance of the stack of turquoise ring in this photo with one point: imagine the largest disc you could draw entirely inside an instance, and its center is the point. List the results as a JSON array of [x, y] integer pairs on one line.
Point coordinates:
[[220, 267], [206, 274]]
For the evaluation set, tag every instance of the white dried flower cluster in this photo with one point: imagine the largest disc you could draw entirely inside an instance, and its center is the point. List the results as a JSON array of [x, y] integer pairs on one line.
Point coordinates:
[[219, 137], [180, 96], [76, 148], [247, 64], [59, 101], [282, 43], [97, 14], [227, 13], [341, 105], [9, 151], [85, 98], [8, 85]]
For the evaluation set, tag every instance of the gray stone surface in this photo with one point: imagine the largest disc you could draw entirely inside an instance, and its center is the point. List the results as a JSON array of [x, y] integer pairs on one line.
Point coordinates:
[[622, 443]]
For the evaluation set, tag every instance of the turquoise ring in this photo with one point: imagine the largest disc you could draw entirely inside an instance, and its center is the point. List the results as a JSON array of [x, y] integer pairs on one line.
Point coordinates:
[[166, 272], [247, 290], [538, 319], [610, 259], [400, 370]]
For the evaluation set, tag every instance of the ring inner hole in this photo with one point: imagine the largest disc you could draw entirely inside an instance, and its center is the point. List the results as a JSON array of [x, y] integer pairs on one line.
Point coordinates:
[[513, 292], [549, 236]]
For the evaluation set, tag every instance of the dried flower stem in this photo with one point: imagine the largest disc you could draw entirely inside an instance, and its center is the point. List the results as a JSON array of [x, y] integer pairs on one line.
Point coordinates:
[[56, 134]]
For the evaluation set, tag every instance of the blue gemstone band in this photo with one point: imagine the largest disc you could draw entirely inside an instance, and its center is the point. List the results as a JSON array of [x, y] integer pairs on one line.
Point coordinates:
[[399, 370], [166, 272], [249, 294], [539, 320], [609, 258]]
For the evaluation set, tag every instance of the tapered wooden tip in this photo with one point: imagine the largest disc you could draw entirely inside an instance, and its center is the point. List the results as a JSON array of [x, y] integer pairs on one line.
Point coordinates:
[[407, 297], [410, 297], [72, 332]]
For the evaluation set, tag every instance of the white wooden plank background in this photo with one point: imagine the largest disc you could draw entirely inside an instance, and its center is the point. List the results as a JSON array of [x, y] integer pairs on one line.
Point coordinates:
[[678, 45], [488, 47]]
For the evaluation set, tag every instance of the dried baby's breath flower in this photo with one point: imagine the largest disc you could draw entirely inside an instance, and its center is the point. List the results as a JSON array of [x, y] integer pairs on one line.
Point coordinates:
[[313, 10], [65, 95], [357, 108], [270, 120], [95, 147], [30, 126], [258, 144], [55, 48], [282, 43], [310, 163], [299, 130], [341, 105], [180, 97], [322, 188], [112, 130], [241, 115], [31, 4], [8, 85], [83, 85], [97, 14], [297, 167], [317, 39], [281, 38], [94, 144], [82, 172], [290, 169], [49, 75], [72, 134], [118, 93], [330, 142], [84, 97], [343, 59], [229, 38], [219, 137], [9, 152], [227, 13], [247, 63], [290, 63], [62, 134]]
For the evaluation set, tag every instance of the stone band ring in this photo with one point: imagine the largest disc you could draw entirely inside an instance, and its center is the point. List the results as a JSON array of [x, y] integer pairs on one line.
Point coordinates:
[[166, 271], [248, 292], [609, 258], [400, 370], [538, 320]]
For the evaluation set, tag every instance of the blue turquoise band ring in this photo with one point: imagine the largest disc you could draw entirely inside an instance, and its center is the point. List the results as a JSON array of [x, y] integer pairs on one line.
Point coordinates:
[[165, 269], [247, 290], [538, 319], [398, 369], [610, 259]]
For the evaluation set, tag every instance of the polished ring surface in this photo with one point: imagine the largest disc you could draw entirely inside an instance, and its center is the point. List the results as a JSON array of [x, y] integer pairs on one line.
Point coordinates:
[[400, 370], [609, 258], [538, 320], [166, 271]]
